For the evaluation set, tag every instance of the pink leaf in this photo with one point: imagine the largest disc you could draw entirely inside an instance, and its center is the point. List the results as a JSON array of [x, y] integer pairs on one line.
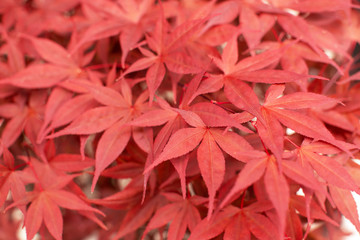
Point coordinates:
[[345, 202], [111, 144], [234, 232], [330, 170], [251, 173], [34, 218], [242, 96], [215, 116], [269, 76], [13, 129], [300, 100], [104, 95], [38, 76], [272, 134], [212, 167], [69, 200], [52, 52], [154, 77], [190, 118], [154, 118], [180, 143], [235, 145], [93, 121], [278, 190], [53, 218]]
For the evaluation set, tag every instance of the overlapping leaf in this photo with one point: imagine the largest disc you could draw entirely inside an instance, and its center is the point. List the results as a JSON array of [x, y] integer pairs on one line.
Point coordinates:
[[112, 80]]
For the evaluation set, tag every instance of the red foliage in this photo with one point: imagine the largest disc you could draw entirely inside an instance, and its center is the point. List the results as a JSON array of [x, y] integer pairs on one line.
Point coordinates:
[[140, 118]]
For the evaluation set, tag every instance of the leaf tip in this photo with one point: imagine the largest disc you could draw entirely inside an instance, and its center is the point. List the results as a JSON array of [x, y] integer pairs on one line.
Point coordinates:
[[95, 179]]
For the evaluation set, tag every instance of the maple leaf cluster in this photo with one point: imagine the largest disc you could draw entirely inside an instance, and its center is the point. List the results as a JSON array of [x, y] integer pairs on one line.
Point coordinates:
[[144, 119]]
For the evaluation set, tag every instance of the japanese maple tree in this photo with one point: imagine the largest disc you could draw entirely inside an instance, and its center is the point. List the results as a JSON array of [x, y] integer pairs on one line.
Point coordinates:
[[179, 119]]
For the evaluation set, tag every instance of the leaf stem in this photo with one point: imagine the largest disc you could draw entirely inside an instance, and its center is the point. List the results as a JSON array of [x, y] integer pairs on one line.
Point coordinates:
[[276, 35], [243, 199], [101, 66], [19, 166]]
